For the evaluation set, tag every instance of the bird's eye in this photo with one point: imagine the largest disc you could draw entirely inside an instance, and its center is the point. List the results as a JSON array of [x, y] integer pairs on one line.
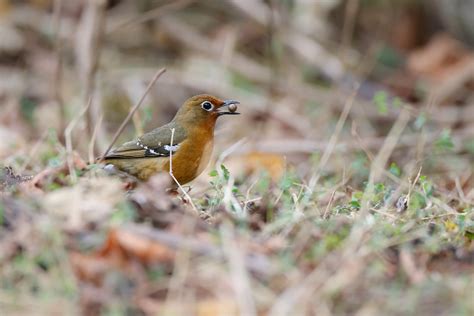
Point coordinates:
[[206, 105]]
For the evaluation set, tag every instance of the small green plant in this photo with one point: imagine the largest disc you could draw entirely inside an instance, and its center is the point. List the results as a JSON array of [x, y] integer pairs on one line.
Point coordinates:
[[420, 121], [381, 102], [470, 146], [219, 182], [124, 213], [2, 214], [395, 170], [426, 185], [444, 142]]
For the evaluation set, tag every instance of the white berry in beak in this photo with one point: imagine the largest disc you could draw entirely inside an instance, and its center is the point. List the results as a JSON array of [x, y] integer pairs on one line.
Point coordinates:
[[232, 107]]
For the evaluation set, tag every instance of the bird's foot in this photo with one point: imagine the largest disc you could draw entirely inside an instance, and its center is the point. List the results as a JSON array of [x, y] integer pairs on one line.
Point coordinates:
[[172, 191]]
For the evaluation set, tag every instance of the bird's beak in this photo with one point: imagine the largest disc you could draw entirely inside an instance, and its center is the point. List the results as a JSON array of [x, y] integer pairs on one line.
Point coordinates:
[[227, 103]]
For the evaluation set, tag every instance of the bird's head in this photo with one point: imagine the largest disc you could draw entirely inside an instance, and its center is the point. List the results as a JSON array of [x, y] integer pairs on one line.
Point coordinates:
[[204, 109]]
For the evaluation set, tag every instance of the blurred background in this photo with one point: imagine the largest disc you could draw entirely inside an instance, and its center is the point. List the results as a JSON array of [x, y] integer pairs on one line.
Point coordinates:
[[292, 64], [322, 84]]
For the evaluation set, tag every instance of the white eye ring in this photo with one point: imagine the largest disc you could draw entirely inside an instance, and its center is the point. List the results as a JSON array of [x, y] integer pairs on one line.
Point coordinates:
[[207, 106]]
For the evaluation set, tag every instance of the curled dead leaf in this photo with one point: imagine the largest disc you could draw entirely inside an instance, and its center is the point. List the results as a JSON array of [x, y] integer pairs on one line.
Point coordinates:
[[119, 251], [202, 307], [255, 162], [50, 175], [437, 60]]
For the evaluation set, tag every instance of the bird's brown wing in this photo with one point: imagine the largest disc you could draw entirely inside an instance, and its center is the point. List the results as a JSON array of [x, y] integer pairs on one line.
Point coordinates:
[[156, 143]]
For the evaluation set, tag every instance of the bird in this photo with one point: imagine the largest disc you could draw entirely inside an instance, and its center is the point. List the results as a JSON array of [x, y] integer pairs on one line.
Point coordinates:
[[187, 140]]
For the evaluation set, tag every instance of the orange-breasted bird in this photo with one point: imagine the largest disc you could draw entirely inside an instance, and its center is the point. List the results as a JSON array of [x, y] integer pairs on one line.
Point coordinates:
[[190, 145]]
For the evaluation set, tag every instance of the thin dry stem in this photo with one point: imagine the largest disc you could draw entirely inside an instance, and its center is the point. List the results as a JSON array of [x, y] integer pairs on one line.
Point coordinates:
[[239, 274], [132, 111], [33, 151], [413, 184], [151, 15], [352, 7], [382, 157], [88, 49], [333, 141], [67, 135], [93, 139], [58, 74]]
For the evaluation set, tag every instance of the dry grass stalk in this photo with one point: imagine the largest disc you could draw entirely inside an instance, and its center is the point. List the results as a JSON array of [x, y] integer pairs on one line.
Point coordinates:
[[132, 111], [87, 50], [58, 75], [333, 141], [68, 138], [241, 279]]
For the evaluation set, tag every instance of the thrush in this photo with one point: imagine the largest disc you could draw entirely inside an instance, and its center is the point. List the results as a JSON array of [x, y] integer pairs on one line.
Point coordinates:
[[187, 140]]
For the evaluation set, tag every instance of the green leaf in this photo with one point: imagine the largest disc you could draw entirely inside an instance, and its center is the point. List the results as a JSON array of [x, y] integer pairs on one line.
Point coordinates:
[[27, 108], [469, 235], [147, 114], [355, 204], [394, 169], [420, 121], [2, 213], [470, 146], [444, 142], [426, 185], [417, 201], [380, 100], [287, 182], [357, 195], [226, 172], [389, 57], [397, 102], [243, 83], [213, 173], [379, 187]]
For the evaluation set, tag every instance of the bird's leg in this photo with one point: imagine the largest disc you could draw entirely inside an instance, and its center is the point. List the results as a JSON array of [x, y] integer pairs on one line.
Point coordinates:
[[187, 188]]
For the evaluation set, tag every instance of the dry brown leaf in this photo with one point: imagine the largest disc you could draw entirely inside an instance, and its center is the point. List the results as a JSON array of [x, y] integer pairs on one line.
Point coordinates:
[[50, 174], [437, 60], [89, 268], [255, 162], [446, 65], [119, 251], [215, 307], [136, 246], [203, 307], [407, 34]]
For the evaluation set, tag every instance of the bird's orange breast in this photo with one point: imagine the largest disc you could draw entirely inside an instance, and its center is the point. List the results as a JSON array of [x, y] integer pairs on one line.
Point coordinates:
[[192, 157], [189, 161]]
